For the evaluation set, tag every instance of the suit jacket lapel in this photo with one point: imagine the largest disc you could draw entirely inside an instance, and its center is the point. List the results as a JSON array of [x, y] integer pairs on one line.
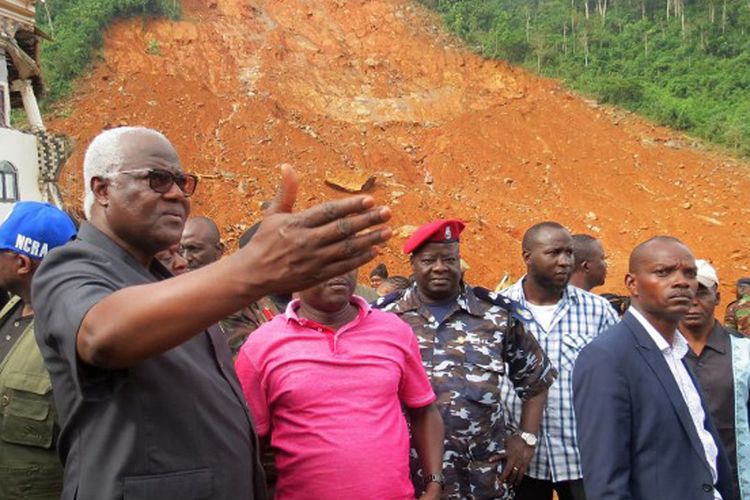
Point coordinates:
[[655, 359]]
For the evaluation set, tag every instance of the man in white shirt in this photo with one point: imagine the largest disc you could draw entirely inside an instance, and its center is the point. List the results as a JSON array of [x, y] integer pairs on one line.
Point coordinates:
[[643, 429], [563, 319]]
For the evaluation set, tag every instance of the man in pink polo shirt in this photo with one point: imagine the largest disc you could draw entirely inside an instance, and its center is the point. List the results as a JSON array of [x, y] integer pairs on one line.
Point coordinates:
[[326, 382]]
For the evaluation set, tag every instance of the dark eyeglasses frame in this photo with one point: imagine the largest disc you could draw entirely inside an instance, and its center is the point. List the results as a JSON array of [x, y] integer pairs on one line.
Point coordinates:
[[186, 182]]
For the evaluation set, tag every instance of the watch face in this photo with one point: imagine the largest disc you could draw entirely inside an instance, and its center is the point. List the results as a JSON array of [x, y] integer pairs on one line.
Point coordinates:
[[529, 438]]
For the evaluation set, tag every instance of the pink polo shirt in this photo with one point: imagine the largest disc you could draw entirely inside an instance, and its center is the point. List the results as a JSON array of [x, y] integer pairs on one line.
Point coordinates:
[[332, 402]]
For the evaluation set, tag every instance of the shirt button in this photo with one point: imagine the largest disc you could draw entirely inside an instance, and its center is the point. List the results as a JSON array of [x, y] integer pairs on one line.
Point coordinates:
[[708, 488]]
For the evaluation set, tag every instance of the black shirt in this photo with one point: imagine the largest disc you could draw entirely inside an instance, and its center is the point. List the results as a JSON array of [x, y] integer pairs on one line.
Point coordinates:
[[713, 369], [174, 426]]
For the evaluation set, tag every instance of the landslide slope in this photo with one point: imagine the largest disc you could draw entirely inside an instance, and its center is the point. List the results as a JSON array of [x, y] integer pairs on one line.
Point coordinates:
[[337, 87]]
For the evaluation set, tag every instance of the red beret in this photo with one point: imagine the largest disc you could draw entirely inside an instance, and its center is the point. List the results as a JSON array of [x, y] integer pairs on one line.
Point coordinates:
[[439, 231]]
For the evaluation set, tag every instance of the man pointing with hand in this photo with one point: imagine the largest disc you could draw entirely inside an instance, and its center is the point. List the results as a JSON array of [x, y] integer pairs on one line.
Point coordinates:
[[148, 401]]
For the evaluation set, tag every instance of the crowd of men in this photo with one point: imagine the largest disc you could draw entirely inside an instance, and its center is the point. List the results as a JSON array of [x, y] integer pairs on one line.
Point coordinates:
[[139, 360]]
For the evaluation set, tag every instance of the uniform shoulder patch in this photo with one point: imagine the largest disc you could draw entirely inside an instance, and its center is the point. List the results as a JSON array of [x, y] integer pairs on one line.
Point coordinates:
[[513, 307], [387, 300]]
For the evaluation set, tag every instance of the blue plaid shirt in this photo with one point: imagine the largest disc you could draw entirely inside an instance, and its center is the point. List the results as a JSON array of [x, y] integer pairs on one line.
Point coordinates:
[[579, 317]]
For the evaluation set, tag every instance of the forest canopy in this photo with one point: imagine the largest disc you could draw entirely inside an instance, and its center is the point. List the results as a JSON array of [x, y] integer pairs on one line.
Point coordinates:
[[684, 63], [77, 28]]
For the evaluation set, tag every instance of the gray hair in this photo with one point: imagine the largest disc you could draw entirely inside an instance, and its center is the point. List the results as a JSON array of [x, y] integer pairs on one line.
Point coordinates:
[[104, 156]]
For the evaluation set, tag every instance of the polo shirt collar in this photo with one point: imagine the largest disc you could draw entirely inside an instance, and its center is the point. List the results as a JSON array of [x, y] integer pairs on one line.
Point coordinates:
[[363, 309]]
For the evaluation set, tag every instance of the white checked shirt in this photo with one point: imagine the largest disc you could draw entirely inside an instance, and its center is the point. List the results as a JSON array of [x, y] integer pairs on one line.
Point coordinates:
[[673, 355], [579, 317]]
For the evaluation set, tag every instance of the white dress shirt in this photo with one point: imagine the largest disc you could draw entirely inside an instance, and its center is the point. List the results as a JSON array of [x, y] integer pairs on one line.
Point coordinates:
[[673, 355]]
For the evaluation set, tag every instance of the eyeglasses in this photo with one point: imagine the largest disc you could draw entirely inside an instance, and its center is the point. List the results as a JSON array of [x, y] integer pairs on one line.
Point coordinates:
[[161, 180]]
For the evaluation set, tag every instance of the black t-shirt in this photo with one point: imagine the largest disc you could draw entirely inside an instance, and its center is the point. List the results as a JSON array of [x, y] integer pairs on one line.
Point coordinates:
[[174, 426]]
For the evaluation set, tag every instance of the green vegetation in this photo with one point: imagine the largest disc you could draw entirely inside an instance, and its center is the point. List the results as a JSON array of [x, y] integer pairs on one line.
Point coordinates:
[[153, 47], [77, 27], [684, 63]]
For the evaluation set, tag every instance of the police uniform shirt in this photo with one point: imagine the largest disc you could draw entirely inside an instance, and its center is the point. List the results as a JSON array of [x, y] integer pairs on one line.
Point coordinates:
[[174, 426]]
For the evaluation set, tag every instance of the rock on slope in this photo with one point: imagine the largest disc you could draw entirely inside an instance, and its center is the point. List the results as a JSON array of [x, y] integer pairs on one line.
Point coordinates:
[[340, 87]]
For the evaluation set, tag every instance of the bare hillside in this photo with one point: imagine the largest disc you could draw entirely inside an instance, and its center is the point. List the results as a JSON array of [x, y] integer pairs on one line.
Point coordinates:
[[343, 87]]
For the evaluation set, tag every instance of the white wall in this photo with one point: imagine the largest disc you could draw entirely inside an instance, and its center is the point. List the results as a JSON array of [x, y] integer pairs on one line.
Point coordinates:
[[20, 149]]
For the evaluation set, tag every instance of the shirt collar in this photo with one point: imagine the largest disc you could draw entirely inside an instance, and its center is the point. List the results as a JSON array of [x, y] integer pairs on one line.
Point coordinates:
[[93, 235], [679, 346], [717, 341], [570, 293], [466, 301], [363, 309]]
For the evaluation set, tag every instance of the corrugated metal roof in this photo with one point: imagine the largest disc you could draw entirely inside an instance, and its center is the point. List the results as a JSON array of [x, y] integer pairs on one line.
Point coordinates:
[[20, 11]]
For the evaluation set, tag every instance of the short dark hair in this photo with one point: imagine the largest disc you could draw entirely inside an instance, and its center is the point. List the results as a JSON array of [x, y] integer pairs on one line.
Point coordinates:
[[745, 280], [583, 248], [531, 234], [209, 223], [400, 282], [380, 270]]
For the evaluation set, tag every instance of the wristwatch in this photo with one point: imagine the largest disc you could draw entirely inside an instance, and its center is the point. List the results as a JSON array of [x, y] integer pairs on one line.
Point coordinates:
[[438, 478], [529, 438]]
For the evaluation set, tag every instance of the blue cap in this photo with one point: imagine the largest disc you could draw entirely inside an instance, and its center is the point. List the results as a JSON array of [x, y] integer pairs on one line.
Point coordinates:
[[33, 229]]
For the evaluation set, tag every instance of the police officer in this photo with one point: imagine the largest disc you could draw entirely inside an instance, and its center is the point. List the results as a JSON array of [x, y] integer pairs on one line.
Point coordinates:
[[29, 467], [467, 336]]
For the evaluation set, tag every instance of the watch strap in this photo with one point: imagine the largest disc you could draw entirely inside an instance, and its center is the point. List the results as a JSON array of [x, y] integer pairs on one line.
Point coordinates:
[[436, 478]]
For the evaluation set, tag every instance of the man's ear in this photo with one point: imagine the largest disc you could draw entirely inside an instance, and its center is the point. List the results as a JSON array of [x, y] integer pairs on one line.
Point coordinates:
[[25, 265], [220, 246], [526, 255], [630, 284], [718, 296], [586, 266], [100, 189]]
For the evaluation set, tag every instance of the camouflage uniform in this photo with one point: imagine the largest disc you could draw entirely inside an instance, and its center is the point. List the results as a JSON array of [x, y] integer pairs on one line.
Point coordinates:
[[236, 328], [465, 357], [239, 325], [738, 315]]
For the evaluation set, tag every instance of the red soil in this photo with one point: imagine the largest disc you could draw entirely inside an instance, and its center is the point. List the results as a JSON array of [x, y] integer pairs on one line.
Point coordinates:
[[330, 86]]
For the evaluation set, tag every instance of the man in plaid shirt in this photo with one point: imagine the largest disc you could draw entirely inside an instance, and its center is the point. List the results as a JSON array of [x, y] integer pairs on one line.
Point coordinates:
[[565, 319]]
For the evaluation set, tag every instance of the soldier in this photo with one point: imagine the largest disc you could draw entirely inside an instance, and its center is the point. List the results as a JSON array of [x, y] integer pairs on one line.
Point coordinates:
[[467, 337], [738, 311], [29, 467]]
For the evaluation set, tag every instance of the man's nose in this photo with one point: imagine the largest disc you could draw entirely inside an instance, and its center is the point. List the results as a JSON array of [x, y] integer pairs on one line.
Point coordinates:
[[439, 265], [174, 192], [683, 280]]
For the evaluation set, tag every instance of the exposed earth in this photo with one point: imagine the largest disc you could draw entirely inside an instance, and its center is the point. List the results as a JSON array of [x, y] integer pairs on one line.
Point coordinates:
[[344, 87]]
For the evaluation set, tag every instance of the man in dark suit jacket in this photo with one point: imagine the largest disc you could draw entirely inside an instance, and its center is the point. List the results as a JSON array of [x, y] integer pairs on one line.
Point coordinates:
[[643, 430]]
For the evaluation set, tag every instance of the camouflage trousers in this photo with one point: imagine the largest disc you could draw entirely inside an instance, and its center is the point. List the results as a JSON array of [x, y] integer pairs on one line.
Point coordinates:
[[467, 479]]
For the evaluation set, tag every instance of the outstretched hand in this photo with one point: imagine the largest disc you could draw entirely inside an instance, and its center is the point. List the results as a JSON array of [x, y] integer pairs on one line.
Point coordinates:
[[294, 251]]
